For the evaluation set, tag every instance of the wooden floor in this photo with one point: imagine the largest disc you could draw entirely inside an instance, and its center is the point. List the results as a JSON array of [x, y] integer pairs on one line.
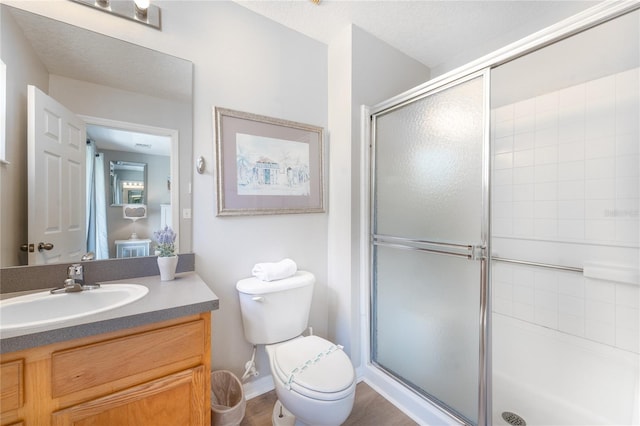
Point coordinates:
[[370, 409]]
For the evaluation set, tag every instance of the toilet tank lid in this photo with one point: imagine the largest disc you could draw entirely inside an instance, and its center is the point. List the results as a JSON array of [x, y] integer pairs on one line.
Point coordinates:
[[255, 286]]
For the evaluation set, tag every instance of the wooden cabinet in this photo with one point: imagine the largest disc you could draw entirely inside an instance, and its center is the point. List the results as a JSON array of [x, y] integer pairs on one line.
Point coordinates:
[[149, 375]]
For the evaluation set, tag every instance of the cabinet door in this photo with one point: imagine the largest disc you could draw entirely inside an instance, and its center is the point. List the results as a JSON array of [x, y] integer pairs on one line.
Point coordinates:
[[11, 385], [177, 399]]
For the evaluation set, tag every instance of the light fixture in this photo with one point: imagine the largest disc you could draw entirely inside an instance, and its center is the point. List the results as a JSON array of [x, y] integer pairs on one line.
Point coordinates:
[[141, 7], [132, 185], [141, 11]]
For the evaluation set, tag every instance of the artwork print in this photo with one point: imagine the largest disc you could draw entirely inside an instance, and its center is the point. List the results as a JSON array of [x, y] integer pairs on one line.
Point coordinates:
[[268, 166]]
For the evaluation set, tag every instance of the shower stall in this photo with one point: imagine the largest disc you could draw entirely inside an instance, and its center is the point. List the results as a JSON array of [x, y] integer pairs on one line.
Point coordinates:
[[504, 231]]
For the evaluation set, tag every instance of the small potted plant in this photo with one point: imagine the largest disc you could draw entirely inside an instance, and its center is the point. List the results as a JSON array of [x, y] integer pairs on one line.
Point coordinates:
[[166, 251]]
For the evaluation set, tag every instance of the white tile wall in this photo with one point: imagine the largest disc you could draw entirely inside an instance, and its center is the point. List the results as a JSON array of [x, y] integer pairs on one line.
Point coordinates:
[[603, 311], [566, 169], [567, 164]]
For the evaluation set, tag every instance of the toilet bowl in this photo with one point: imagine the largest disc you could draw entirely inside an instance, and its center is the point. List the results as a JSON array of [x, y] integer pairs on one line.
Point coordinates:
[[314, 380]]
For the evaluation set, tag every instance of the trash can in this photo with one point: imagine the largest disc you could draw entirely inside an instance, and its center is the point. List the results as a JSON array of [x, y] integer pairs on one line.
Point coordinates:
[[227, 399]]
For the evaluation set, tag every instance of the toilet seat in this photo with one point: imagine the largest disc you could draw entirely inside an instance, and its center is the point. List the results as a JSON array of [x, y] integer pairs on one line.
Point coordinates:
[[314, 367]]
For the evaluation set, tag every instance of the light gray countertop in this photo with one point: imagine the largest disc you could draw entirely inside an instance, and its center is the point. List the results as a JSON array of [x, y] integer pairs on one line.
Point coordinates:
[[186, 295]]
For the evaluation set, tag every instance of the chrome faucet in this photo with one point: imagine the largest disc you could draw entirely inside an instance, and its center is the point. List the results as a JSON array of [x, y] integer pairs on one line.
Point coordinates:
[[75, 281]]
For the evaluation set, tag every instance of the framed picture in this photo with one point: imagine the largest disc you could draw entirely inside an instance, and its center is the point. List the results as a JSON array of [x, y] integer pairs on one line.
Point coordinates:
[[267, 166], [3, 112]]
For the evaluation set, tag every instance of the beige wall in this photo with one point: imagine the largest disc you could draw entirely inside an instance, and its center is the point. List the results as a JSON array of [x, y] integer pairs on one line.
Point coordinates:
[[246, 62], [23, 67]]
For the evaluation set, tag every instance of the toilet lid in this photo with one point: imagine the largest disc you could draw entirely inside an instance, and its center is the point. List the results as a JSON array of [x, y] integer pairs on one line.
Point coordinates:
[[314, 367]]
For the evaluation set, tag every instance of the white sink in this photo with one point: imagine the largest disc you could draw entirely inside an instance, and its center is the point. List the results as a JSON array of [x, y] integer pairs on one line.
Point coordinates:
[[46, 308]]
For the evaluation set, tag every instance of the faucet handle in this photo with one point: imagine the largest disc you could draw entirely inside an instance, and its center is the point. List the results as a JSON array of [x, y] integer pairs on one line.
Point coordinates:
[[75, 270]]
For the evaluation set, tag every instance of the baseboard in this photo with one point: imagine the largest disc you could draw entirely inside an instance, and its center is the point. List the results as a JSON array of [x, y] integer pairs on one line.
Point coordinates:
[[360, 373], [258, 387]]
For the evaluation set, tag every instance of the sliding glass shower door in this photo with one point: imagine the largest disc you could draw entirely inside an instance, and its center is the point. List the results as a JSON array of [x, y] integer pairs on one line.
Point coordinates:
[[429, 238]]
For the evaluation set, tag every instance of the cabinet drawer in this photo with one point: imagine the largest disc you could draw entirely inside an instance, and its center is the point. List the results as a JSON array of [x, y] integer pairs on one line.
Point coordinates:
[[174, 400], [11, 385], [84, 367]]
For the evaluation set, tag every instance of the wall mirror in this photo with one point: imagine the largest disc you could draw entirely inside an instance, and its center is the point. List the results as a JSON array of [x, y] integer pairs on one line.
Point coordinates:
[[131, 99], [127, 181]]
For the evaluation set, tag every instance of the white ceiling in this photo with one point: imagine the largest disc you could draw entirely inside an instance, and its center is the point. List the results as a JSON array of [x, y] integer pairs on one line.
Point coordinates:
[[445, 34], [80, 54], [440, 34], [129, 141]]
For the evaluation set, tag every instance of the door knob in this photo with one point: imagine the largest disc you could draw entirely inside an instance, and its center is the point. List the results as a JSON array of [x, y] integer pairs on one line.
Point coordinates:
[[45, 246]]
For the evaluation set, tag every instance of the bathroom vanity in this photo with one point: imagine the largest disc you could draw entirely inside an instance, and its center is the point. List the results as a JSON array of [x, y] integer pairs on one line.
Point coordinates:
[[146, 363]]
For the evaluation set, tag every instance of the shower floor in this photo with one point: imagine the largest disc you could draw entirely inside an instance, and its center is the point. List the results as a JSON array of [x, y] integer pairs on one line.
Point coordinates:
[[550, 378]]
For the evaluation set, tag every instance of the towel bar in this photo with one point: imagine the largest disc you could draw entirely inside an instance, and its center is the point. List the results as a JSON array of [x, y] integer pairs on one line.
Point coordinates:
[[538, 264]]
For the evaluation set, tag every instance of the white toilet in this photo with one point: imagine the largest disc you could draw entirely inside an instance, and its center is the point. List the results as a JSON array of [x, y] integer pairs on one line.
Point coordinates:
[[314, 379]]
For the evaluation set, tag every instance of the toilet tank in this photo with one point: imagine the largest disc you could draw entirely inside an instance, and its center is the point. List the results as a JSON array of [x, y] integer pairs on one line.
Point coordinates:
[[275, 311]]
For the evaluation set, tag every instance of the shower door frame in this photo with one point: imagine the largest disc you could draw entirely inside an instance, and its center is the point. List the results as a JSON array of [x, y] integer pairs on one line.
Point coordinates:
[[473, 253], [588, 19]]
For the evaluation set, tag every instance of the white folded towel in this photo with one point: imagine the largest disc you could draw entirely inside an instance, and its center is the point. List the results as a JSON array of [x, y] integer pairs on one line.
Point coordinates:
[[271, 271]]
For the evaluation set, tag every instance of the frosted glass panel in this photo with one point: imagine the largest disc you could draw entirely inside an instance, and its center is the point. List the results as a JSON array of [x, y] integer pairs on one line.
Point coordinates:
[[429, 166], [426, 323], [428, 180]]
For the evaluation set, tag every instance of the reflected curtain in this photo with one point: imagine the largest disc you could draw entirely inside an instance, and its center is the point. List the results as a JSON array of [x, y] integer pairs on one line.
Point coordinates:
[[97, 241]]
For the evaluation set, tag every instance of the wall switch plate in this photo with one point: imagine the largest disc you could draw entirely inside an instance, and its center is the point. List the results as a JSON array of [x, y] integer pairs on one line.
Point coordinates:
[[186, 213]]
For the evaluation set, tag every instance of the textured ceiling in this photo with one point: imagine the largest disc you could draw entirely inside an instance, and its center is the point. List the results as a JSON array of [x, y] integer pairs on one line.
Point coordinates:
[[440, 34], [123, 140], [74, 52]]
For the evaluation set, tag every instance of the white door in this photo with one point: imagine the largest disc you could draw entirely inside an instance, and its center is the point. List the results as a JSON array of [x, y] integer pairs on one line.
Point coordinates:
[[56, 173]]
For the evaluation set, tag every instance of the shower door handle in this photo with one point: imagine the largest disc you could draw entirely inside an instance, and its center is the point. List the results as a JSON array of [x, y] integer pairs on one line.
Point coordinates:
[[478, 252], [469, 251]]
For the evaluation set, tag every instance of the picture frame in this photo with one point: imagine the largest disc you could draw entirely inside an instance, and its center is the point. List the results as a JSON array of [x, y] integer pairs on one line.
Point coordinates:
[[3, 113], [267, 165]]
